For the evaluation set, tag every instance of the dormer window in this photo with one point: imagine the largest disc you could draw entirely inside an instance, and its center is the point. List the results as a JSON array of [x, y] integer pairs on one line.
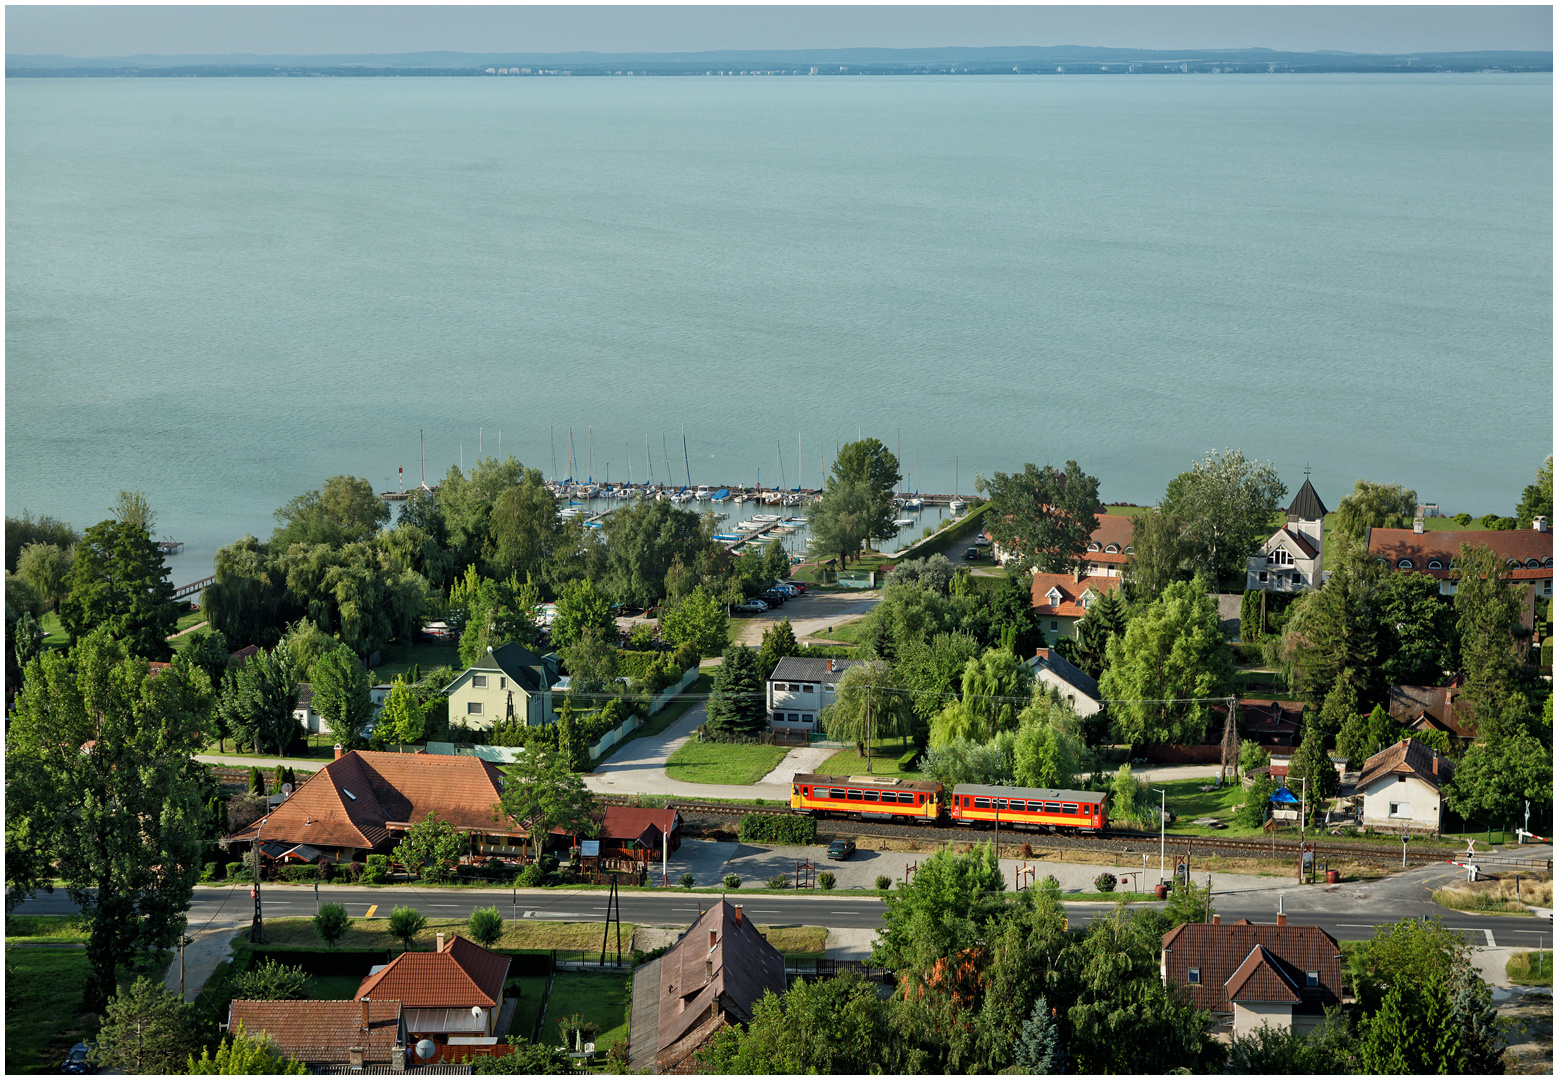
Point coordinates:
[[1113, 549], [1513, 562], [1088, 598], [1053, 596], [1280, 557], [1130, 549], [1404, 564], [1532, 564], [1093, 546], [1436, 564]]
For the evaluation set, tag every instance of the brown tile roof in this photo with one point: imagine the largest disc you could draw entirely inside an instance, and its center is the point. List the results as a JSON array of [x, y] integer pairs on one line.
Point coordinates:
[[463, 974], [1243, 960], [1071, 591], [1423, 707], [628, 823], [1271, 717], [730, 978], [1407, 757], [349, 802], [323, 1031], [242, 656], [1522, 545], [1112, 529]]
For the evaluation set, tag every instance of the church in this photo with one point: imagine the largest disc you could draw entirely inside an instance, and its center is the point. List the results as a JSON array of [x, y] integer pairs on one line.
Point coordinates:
[[1292, 557]]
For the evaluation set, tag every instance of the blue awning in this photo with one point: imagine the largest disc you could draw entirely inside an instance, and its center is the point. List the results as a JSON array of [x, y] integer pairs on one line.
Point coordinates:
[[1284, 795]]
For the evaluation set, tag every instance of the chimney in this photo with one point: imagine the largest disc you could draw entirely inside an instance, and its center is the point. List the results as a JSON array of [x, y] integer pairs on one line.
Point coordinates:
[[365, 1002], [1539, 523], [440, 942], [1417, 526], [1076, 574], [738, 914], [1282, 920], [339, 751], [1436, 763], [1217, 920]]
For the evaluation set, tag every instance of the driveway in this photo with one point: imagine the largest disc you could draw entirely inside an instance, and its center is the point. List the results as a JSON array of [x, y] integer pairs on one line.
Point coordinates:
[[638, 768], [811, 615]]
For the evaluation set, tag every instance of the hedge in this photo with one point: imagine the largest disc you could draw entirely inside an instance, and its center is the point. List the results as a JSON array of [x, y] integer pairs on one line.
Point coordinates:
[[1547, 654], [909, 761], [635, 665], [777, 829], [320, 962]]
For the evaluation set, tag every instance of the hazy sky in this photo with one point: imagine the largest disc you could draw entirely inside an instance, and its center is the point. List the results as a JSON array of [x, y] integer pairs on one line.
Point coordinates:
[[124, 31]]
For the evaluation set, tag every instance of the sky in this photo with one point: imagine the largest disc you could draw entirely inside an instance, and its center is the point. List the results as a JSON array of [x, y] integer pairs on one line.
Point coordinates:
[[100, 31]]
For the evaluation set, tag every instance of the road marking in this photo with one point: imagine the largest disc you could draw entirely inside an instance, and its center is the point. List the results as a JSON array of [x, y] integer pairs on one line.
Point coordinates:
[[1491, 943], [371, 909]]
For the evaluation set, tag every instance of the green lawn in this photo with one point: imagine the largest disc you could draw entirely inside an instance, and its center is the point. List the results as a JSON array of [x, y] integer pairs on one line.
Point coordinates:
[[43, 928], [397, 659], [43, 1013], [374, 934], [1530, 968], [57, 637], [333, 987], [530, 988], [668, 715], [320, 747], [602, 998], [884, 761], [723, 763]]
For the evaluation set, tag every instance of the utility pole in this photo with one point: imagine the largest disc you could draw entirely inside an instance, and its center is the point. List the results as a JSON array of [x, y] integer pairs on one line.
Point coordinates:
[[182, 942], [868, 732], [257, 928], [1162, 833]]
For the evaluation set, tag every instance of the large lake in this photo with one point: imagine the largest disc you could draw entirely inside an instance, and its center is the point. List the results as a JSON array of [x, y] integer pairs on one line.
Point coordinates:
[[223, 291]]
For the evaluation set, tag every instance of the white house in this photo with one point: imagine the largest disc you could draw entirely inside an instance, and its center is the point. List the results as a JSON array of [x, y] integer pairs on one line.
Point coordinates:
[[1292, 558], [800, 688], [1076, 687], [1401, 787], [510, 682], [312, 722]]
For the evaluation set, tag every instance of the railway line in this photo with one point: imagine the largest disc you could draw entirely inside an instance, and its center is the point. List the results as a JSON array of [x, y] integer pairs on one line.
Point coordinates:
[[1113, 841]]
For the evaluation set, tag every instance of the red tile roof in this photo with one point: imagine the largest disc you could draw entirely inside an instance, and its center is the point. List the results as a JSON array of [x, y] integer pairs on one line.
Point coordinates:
[[731, 977], [462, 975], [1071, 591], [349, 802], [1522, 545], [1410, 758], [1243, 961], [1271, 717], [323, 1031], [1112, 529], [628, 823], [1424, 707]]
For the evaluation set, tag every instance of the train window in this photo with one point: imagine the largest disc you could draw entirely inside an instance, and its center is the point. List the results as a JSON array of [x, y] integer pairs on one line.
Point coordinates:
[[837, 793], [1035, 807], [1000, 804], [903, 796], [982, 803], [1069, 808], [854, 796], [806, 791], [1052, 808], [871, 796]]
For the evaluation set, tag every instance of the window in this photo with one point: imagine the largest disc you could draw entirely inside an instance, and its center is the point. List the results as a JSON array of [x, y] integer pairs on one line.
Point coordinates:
[[1193, 976], [1532, 564], [503, 684], [1054, 624], [1400, 809], [794, 717], [1087, 600], [1311, 978], [1298, 579], [829, 687], [853, 796], [1113, 549], [836, 793], [1052, 808], [794, 688], [1093, 546], [872, 796], [1404, 564], [808, 718], [1000, 804], [1280, 557], [1069, 808], [808, 688], [1401, 779], [479, 682], [473, 708], [982, 803], [1263, 575], [1436, 564]]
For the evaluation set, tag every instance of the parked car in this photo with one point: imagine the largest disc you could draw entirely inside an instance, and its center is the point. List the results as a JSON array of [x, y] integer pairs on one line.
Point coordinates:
[[971, 553], [751, 605], [772, 598], [801, 585], [789, 590], [76, 1061], [841, 848]]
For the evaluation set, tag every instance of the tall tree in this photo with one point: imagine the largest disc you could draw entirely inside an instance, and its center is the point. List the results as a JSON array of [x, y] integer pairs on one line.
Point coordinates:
[[869, 707], [940, 912], [25, 530], [119, 581], [1049, 751], [432, 847], [1334, 633], [207, 649], [736, 707], [343, 511], [868, 462], [242, 1054], [700, 619], [524, 527], [403, 719], [848, 515], [1170, 662], [778, 642], [641, 543], [826, 1027], [1487, 610], [46, 567], [258, 700], [104, 795], [1105, 619], [147, 1029], [996, 687], [1310, 762], [1159, 554], [544, 792], [1418, 630], [580, 608], [592, 664], [1375, 506], [490, 614], [1499, 776], [1042, 518], [341, 696], [1226, 505], [1537, 499]]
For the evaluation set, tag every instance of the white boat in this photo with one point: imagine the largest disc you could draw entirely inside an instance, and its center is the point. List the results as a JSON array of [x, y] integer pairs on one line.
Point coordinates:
[[915, 503], [956, 506], [702, 494], [765, 518], [901, 522], [795, 521]]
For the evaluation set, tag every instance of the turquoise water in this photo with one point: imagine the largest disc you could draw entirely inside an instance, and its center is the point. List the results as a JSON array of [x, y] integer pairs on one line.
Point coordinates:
[[223, 291]]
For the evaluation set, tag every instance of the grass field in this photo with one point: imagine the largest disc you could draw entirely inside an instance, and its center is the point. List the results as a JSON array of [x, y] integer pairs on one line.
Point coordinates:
[[884, 761], [803, 941], [723, 763], [320, 748], [397, 659], [22, 929], [50, 624], [1530, 969], [601, 998], [530, 988], [374, 934], [668, 715], [333, 987]]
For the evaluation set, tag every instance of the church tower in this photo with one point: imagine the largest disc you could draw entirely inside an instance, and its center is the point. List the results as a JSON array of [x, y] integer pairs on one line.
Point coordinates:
[[1306, 516]]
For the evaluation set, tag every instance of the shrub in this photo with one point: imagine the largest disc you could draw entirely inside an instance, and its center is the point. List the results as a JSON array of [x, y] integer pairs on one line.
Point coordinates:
[[300, 873], [883, 882], [576, 1030], [377, 871], [271, 981], [485, 926], [531, 877], [637, 665], [826, 880], [208, 872], [1050, 884], [353, 871], [731, 881], [685, 881], [794, 829], [779, 881], [1105, 882], [327, 870], [1027, 850], [331, 923]]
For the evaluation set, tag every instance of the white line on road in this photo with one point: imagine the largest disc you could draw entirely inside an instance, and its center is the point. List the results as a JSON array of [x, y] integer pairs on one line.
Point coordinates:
[[1491, 943]]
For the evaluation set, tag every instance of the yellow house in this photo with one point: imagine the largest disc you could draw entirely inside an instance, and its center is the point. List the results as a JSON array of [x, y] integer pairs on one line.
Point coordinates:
[[512, 682]]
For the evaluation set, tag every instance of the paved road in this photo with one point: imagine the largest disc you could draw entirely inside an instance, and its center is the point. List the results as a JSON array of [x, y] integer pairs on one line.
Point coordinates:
[[1347, 912], [810, 615], [638, 768]]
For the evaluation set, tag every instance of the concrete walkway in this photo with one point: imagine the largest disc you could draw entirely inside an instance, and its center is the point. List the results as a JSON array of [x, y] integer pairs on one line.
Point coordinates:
[[803, 759], [210, 947], [639, 768]]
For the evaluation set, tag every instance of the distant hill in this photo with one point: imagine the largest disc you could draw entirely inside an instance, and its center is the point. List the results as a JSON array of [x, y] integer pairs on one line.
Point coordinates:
[[1056, 59]]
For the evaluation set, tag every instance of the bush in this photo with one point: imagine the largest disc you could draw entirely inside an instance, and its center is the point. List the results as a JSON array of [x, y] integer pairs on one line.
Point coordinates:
[[1050, 884], [685, 881], [352, 872], [1027, 850], [300, 873], [793, 829], [208, 872], [1105, 882], [377, 871], [779, 881], [910, 761], [331, 923], [826, 880], [485, 926], [883, 882], [637, 665], [531, 877], [731, 881]]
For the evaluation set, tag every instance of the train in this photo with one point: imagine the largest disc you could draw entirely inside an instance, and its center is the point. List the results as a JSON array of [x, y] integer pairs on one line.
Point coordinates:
[[893, 798]]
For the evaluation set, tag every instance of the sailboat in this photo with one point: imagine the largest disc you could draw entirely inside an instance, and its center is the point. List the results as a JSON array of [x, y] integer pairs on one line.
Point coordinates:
[[956, 505]]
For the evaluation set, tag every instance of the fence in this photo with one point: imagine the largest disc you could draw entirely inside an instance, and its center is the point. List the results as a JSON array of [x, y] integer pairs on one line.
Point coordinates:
[[633, 723], [824, 968]]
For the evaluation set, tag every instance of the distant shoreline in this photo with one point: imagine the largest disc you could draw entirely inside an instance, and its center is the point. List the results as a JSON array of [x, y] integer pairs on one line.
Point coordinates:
[[355, 72]]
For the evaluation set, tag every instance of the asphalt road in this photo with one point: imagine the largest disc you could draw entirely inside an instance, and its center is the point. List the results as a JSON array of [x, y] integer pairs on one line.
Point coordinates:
[[1347, 912]]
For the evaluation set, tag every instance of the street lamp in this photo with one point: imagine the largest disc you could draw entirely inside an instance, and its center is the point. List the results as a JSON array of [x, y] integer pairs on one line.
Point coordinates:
[[1162, 830], [257, 928]]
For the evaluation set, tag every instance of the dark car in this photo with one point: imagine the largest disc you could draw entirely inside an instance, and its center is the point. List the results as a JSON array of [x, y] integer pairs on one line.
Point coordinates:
[[971, 553], [842, 848], [772, 598], [76, 1061]]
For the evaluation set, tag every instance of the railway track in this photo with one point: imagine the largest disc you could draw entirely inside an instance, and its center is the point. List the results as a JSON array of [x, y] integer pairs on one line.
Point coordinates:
[[1109, 841]]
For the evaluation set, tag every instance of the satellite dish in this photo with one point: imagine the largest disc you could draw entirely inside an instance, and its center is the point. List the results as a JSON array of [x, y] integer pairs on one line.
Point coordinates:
[[426, 1048], [476, 1011], [286, 789]]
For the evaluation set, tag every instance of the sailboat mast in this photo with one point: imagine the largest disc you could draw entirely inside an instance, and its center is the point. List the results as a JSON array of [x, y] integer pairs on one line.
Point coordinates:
[[799, 469], [666, 455], [591, 430], [422, 453], [551, 433], [628, 451], [649, 457], [779, 452], [686, 463], [570, 456]]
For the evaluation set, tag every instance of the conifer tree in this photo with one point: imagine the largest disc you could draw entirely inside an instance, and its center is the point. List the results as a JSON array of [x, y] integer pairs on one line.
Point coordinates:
[[736, 708], [1038, 1044]]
